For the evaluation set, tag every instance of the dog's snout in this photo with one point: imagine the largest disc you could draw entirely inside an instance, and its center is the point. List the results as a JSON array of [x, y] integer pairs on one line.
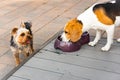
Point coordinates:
[[64, 38], [60, 38]]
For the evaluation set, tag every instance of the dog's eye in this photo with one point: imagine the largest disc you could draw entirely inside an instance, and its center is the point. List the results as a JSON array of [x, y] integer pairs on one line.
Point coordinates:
[[23, 34], [66, 32]]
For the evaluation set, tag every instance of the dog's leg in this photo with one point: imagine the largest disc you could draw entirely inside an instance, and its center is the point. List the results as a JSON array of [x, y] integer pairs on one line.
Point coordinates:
[[110, 34], [17, 59], [31, 47], [28, 51], [31, 50], [26, 54], [97, 38]]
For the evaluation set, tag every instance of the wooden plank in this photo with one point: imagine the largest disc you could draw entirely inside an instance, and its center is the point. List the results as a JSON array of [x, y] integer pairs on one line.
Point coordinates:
[[81, 61], [33, 16], [16, 78], [4, 3], [37, 74], [4, 69], [70, 70], [18, 12], [8, 58], [7, 6], [51, 15], [53, 29], [3, 50]]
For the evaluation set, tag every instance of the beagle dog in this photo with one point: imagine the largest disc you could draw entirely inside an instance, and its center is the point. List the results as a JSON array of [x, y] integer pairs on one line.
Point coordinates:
[[101, 17]]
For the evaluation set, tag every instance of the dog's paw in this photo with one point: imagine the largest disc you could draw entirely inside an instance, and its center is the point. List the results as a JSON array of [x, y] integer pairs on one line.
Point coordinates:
[[118, 40], [92, 43], [105, 48]]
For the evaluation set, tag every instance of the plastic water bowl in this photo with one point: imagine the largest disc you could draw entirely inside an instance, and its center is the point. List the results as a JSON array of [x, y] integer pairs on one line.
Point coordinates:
[[71, 46]]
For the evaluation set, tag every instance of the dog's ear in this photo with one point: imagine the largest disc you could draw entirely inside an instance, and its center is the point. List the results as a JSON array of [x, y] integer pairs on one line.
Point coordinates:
[[28, 24], [22, 24], [74, 29], [14, 31]]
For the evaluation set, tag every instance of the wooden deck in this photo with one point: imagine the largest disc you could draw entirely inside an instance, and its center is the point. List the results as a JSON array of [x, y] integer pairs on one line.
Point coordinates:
[[89, 63], [48, 18]]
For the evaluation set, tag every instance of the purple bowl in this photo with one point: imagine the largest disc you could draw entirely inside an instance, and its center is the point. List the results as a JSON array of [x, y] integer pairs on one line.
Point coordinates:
[[71, 46]]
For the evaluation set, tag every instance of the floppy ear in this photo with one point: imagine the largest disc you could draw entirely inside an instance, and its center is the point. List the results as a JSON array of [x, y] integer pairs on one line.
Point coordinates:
[[76, 35], [22, 25], [14, 31], [76, 31]]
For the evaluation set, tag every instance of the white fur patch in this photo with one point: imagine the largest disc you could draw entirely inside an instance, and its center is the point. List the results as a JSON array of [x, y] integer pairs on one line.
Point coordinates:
[[113, 1], [118, 40], [117, 22], [64, 37], [22, 30]]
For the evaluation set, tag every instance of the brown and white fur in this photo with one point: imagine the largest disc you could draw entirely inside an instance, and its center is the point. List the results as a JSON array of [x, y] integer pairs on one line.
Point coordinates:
[[102, 16], [21, 41]]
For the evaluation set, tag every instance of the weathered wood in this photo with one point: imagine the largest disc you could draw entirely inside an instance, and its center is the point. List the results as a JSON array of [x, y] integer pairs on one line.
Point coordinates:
[[16, 78], [37, 74], [70, 69], [48, 18]]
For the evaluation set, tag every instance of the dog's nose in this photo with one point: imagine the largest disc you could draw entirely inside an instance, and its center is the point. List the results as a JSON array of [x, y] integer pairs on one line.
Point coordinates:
[[60, 38]]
